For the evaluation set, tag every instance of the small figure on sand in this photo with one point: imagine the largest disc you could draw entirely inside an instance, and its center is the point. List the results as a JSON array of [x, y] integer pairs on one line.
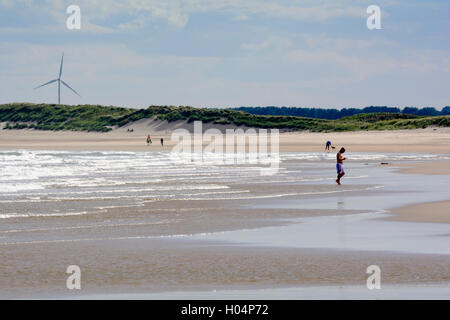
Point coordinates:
[[149, 140], [328, 145], [162, 141], [340, 165]]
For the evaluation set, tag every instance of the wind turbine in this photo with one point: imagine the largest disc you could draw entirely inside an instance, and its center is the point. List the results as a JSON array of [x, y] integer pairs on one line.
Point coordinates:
[[59, 82]]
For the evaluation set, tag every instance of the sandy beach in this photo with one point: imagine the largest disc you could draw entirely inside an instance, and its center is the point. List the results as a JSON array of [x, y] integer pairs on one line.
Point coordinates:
[[136, 223], [195, 149], [430, 140]]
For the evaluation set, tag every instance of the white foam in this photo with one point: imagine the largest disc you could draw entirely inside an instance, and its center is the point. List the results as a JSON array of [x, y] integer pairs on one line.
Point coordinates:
[[34, 215]]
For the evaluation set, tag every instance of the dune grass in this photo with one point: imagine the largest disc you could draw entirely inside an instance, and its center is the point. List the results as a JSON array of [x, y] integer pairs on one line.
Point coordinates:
[[104, 118]]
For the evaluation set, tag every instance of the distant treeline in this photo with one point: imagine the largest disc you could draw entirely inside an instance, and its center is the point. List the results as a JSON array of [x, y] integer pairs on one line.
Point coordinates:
[[333, 114]]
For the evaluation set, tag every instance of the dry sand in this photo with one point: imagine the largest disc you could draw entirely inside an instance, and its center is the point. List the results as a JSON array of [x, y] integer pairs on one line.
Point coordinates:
[[430, 140]]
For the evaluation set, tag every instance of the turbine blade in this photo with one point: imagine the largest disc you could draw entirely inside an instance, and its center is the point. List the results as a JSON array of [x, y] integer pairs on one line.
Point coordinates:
[[46, 83], [61, 66], [70, 88]]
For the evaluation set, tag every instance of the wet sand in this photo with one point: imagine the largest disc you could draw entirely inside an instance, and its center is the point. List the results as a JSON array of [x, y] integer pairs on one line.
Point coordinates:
[[133, 266], [338, 292], [433, 212], [159, 250], [426, 168]]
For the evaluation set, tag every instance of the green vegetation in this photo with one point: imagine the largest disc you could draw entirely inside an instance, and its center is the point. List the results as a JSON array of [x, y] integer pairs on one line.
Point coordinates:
[[333, 114], [58, 117], [102, 119]]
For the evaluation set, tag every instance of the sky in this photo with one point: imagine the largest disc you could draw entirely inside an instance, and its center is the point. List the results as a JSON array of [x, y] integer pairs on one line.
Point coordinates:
[[228, 53]]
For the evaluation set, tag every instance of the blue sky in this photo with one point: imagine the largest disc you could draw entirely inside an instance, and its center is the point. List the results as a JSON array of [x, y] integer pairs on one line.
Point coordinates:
[[310, 53]]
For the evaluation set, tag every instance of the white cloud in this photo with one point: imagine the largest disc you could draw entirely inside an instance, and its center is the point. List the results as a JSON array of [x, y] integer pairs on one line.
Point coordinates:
[[177, 12], [361, 67], [266, 64], [272, 42], [115, 74]]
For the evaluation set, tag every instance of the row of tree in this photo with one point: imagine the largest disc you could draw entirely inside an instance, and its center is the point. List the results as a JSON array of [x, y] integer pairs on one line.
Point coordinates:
[[320, 113]]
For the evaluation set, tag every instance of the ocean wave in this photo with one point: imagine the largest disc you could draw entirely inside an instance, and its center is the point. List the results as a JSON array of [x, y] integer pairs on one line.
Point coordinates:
[[35, 215]]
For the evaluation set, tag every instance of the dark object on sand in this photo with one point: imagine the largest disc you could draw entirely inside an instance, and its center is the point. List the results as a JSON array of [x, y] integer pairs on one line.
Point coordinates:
[[385, 163]]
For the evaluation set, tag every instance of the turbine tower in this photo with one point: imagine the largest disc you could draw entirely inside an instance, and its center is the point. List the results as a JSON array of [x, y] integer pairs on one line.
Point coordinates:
[[59, 82]]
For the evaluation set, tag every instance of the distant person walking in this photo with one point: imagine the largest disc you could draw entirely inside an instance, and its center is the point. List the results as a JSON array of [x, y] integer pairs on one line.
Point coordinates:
[[149, 140], [328, 145], [162, 141], [340, 165]]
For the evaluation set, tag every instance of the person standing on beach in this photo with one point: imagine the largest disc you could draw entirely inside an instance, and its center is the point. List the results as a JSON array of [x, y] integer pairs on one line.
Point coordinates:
[[328, 145], [162, 141], [340, 165], [149, 140]]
